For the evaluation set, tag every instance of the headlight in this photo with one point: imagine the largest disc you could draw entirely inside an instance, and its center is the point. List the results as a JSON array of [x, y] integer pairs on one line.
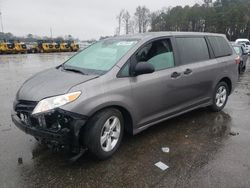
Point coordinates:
[[54, 102]]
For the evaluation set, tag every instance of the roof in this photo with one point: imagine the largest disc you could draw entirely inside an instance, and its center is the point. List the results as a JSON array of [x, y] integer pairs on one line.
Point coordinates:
[[167, 33]]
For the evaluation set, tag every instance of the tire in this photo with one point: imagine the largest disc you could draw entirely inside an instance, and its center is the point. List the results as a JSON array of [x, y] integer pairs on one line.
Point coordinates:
[[241, 67], [220, 96], [100, 125], [244, 69]]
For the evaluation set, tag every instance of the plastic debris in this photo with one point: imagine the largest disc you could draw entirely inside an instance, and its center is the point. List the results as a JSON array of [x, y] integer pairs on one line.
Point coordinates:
[[165, 149], [20, 160], [232, 133], [161, 165]]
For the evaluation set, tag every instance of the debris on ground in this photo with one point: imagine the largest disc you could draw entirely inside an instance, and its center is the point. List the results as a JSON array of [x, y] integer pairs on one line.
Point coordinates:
[[165, 149], [161, 165], [232, 133], [20, 160]]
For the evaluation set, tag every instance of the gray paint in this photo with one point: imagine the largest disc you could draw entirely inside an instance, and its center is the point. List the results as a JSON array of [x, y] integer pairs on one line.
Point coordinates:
[[149, 98]]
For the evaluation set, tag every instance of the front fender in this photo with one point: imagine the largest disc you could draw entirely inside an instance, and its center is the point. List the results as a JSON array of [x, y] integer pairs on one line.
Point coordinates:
[[90, 106]]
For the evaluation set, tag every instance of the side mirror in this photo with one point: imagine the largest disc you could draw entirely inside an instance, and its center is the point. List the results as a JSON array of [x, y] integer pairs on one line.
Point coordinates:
[[143, 68]]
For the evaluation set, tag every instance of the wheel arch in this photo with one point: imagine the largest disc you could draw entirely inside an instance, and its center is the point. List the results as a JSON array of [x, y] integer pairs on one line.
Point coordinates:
[[228, 81], [127, 116]]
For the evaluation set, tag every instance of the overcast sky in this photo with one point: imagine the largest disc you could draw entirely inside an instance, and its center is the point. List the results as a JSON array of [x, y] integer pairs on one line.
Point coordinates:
[[84, 19]]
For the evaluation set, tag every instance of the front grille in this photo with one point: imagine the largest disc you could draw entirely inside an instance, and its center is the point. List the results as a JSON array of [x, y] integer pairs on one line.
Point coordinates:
[[25, 106], [24, 110]]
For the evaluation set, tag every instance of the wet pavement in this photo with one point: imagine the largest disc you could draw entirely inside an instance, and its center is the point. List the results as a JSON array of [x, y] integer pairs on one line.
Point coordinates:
[[206, 149]]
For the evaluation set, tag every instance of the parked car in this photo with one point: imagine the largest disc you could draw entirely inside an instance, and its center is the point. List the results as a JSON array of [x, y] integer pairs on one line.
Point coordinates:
[[125, 83], [246, 44], [240, 50]]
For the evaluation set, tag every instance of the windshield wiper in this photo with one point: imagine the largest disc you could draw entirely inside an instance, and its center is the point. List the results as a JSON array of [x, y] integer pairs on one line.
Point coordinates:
[[73, 70]]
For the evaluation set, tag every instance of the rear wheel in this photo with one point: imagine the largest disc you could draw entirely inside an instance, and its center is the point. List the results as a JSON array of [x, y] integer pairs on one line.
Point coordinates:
[[240, 67], [244, 68], [220, 96], [104, 132]]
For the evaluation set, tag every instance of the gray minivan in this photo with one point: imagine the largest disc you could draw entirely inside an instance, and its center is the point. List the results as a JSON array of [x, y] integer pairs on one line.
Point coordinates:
[[125, 83]]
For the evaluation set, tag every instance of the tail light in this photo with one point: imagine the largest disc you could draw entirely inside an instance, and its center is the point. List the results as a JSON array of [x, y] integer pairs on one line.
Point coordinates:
[[237, 60]]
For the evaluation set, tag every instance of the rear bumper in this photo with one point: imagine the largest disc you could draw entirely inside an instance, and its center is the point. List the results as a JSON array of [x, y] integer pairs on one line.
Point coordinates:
[[68, 137]]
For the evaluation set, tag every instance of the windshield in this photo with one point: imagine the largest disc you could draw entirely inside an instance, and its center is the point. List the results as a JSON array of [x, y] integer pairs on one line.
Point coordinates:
[[101, 56], [237, 49]]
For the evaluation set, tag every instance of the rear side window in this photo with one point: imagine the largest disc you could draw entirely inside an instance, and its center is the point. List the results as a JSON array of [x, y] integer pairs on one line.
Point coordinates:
[[220, 46], [192, 49]]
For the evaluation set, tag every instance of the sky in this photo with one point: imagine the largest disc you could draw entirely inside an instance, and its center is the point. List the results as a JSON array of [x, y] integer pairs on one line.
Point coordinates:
[[84, 19]]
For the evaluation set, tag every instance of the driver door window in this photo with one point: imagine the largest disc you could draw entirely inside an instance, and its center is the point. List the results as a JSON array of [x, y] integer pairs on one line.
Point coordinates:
[[158, 53]]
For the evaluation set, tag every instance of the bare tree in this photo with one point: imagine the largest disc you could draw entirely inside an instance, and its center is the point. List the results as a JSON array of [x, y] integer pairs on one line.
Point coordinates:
[[119, 18], [142, 18], [131, 26], [126, 19]]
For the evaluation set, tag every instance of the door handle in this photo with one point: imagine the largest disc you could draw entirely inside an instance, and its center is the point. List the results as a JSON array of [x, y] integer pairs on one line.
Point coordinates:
[[175, 75], [188, 71]]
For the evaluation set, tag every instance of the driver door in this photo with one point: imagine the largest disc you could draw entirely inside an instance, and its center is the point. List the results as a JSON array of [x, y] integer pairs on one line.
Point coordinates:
[[148, 90]]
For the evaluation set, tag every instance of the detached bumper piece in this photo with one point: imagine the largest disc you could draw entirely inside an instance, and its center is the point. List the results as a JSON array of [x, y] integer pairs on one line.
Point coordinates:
[[58, 128]]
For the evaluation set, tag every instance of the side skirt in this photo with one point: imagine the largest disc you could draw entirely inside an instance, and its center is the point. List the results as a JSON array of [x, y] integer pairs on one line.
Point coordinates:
[[138, 130]]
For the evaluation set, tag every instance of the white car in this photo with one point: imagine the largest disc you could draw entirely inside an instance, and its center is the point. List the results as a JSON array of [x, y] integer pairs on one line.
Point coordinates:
[[246, 42]]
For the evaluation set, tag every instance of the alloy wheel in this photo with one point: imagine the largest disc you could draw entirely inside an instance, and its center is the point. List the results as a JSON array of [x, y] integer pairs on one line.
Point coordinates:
[[110, 133]]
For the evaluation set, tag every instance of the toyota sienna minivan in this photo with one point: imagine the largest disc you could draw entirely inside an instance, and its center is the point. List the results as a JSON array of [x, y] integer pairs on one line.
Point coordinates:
[[125, 83]]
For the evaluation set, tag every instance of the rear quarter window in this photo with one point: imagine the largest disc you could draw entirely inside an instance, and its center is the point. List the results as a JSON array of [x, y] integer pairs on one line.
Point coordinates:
[[220, 46], [192, 49]]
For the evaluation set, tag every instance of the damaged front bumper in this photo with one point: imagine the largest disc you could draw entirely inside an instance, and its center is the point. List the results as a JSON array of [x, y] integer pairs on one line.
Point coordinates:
[[58, 127]]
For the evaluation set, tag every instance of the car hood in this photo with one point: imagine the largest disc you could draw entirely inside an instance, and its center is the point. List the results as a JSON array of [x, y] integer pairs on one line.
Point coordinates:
[[51, 82]]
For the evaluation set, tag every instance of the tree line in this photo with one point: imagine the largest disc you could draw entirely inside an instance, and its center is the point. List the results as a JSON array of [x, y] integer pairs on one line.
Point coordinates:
[[230, 17], [33, 38]]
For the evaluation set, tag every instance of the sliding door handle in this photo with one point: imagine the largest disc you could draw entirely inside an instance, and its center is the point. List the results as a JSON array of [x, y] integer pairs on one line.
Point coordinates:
[[188, 71], [175, 75]]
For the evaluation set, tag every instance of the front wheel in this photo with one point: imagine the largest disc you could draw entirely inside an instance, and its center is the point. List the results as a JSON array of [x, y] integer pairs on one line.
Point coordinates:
[[103, 133], [220, 96]]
